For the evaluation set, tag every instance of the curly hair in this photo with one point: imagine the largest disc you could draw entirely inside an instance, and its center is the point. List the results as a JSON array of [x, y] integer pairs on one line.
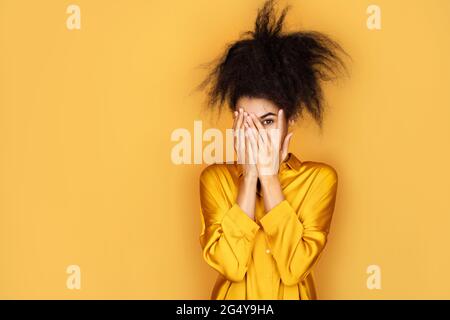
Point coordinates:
[[285, 68]]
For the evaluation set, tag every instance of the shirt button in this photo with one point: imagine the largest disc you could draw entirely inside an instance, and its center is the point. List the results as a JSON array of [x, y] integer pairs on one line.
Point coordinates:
[[267, 251]]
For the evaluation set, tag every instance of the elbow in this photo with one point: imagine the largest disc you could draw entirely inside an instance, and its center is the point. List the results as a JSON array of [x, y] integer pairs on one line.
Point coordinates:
[[230, 270], [234, 275], [298, 271], [291, 279], [231, 273]]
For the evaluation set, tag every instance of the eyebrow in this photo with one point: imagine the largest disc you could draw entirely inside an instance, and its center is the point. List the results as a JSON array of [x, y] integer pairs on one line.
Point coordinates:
[[267, 114]]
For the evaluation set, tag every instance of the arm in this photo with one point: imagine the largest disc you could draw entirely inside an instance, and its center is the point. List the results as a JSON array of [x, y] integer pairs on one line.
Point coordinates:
[[271, 190], [297, 239], [247, 183], [228, 233], [246, 197]]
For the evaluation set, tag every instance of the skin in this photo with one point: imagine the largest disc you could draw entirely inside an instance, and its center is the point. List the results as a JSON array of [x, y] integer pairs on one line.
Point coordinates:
[[260, 151]]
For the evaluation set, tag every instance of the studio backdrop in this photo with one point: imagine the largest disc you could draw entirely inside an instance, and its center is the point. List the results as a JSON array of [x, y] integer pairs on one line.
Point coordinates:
[[93, 203]]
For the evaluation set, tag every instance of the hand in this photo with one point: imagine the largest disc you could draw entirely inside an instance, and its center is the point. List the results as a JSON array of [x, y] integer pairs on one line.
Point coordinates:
[[272, 148], [245, 154], [281, 124]]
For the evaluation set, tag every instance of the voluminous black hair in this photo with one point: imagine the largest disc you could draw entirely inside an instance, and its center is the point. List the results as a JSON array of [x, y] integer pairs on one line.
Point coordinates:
[[285, 68]]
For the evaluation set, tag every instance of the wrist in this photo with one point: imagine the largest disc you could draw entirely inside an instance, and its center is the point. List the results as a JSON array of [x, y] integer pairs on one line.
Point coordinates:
[[272, 191], [250, 177], [269, 179]]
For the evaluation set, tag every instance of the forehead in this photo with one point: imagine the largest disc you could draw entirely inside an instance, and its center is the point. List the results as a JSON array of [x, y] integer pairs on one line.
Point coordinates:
[[258, 106]]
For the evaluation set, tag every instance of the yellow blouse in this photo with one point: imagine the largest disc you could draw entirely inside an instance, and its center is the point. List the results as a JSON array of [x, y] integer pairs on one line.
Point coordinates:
[[271, 257]]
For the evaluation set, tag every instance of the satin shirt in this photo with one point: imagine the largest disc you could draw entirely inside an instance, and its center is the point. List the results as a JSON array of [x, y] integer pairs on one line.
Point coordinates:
[[273, 256]]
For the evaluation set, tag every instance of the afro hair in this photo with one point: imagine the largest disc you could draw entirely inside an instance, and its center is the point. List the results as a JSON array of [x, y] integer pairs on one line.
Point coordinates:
[[285, 68]]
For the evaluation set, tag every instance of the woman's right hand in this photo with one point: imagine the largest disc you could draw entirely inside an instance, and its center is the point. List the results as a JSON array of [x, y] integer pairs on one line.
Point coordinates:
[[242, 146]]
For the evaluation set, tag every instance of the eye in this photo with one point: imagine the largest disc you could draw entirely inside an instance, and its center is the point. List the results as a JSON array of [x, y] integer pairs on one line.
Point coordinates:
[[267, 122]]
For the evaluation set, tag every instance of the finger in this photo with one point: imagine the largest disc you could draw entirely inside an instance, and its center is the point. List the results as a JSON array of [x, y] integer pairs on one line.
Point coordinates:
[[285, 149], [251, 124], [241, 142], [250, 150], [263, 149], [237, 127], [261, 146], [281, 122], [239, 118], [252, 127], [253, 142], [235, 114], [261, 131]]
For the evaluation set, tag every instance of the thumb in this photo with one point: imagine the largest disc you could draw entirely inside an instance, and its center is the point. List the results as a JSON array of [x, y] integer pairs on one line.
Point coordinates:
[[285, 148]]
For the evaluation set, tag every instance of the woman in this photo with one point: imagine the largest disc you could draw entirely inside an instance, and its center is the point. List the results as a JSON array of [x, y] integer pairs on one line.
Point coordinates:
[[266, 217]]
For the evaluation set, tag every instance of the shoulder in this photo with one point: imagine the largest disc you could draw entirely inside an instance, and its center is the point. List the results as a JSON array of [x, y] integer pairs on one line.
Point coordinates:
[[215, 172], [322, 172], [323, 182]]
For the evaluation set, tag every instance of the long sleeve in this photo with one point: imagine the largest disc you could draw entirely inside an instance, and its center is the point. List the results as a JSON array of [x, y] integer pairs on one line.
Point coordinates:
[[296, 239], [228, 234]]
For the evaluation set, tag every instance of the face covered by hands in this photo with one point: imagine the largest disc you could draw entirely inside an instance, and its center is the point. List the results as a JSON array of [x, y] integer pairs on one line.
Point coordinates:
[[242, 145], [265, 149]]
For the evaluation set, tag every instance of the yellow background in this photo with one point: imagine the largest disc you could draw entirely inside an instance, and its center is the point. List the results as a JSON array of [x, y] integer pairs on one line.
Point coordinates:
[[85, 122]]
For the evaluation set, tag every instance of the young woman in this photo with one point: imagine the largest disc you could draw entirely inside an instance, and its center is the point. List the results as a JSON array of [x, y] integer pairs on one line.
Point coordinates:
[[266, 217]]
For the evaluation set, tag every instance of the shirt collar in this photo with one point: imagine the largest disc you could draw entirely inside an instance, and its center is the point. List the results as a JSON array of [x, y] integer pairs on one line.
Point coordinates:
[[291, 162]]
